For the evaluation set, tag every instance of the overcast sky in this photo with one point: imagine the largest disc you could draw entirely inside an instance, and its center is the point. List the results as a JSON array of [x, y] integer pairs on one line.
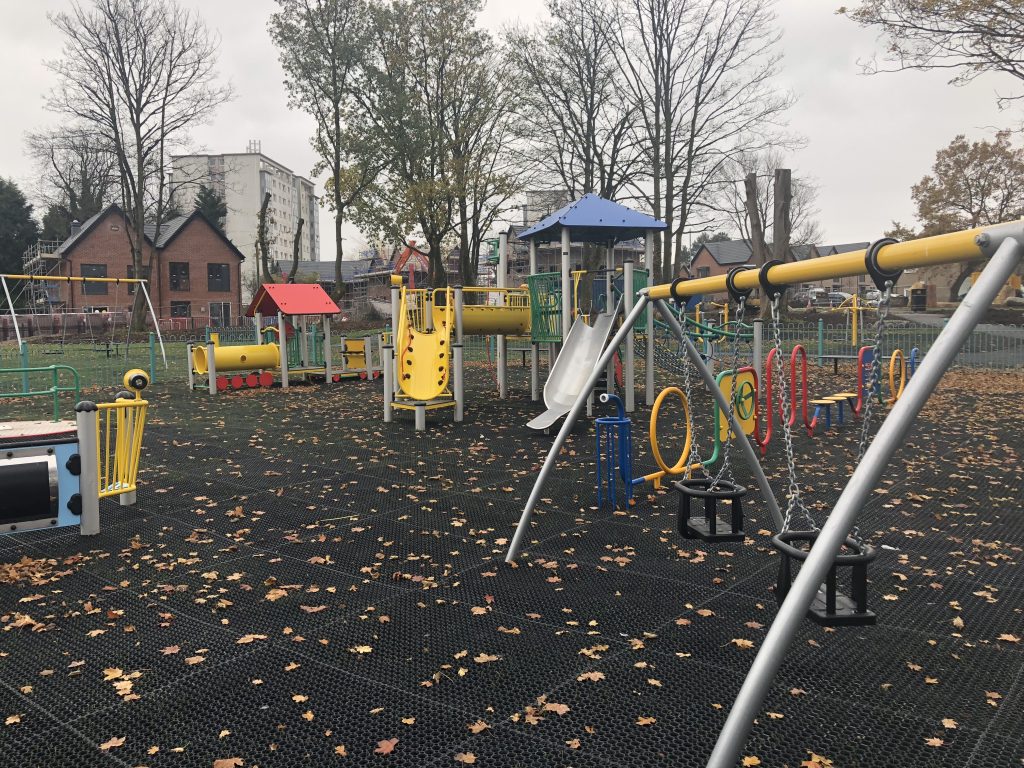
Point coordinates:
[[869, 138]]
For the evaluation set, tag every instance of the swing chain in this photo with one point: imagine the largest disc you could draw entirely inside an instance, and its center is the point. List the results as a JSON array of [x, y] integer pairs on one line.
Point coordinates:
[[795, 503], [727, 449], [873, 381], [695, 458]]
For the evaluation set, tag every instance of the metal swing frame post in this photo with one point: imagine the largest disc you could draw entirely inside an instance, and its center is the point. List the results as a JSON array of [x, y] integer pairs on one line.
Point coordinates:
[[588, 388], [865, 477]]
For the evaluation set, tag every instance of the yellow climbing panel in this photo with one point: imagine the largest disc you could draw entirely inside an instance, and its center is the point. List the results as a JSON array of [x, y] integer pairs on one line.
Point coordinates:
[[424, 355]]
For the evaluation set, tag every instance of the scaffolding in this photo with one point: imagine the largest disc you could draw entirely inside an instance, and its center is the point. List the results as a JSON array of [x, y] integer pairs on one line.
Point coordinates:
[[42, 260]]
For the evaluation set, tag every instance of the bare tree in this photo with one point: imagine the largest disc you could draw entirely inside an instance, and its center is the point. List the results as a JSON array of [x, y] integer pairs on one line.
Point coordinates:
[[77, 175], [573, 107], [486, 174], [734, 201], [139, 74], [702, 72], [967, 38]]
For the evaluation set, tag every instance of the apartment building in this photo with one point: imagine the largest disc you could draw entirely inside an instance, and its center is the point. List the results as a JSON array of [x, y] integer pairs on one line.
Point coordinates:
[[243, 179]]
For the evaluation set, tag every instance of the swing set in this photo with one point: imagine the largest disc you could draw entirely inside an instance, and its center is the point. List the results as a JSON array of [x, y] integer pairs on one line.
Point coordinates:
[[812, 556]]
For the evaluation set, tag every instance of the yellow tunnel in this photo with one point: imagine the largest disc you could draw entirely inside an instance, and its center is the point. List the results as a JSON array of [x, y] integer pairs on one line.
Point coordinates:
[[482, 320], [249, 357]]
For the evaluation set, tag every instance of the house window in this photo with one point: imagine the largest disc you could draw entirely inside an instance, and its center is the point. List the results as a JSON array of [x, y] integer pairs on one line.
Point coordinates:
[[94, 270], [131, 276], [703, 271], [218, 277], [179, 276], [220, 314], [181, 309]]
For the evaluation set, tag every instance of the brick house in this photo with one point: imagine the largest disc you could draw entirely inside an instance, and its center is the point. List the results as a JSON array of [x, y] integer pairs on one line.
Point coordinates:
[[193, 272]]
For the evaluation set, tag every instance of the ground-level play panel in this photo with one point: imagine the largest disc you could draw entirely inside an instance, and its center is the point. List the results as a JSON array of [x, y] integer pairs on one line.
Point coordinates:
[[295, 580]]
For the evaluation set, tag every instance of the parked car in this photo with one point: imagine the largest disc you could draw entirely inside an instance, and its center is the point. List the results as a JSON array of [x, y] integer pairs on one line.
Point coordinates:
[[831, 299], [805, 296]]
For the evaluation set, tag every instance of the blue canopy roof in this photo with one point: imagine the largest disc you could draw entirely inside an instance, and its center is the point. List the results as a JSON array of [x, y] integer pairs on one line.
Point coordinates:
[[592, 219]]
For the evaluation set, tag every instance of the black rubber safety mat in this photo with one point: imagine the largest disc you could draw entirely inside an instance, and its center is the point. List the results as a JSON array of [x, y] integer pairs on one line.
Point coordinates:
[[300, 584]]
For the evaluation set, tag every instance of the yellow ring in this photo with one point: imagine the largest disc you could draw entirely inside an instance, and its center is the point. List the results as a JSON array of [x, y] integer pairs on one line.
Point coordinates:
[[896, 394], [681, 465]]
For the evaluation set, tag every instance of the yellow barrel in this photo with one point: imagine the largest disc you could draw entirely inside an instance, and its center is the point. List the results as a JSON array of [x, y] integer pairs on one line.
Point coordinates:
[[249, 357], [482, 320]]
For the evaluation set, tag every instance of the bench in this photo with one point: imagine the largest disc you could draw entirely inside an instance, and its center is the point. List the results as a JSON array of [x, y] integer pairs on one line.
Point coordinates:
[[825, 404]]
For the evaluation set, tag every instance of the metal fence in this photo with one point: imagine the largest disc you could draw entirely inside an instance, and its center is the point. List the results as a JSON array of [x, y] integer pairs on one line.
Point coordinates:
[[989, 346]]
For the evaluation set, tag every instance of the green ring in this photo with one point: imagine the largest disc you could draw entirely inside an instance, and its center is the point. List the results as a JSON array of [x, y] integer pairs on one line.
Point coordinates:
[[744, 400]]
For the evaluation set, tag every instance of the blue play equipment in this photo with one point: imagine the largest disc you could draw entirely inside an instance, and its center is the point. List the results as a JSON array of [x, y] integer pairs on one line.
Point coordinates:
[[614, 455]]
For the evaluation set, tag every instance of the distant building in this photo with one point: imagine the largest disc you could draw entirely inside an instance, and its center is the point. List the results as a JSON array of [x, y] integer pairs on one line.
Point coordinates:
[[194, 277], [243, 179]]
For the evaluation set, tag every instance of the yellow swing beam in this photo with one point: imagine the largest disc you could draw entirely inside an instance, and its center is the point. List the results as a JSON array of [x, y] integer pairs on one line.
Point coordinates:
[[926, 252]]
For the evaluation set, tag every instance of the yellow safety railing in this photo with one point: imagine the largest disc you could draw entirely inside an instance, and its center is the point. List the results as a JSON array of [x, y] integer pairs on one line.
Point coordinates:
[[119, 444], [518, 298]]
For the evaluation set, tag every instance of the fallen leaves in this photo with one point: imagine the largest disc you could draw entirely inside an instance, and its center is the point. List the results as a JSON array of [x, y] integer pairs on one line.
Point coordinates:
[[645, 720], [12, 719], [246, 639], [112, 743], [228, 762], [740, 642], [466, 758], [385, 747]]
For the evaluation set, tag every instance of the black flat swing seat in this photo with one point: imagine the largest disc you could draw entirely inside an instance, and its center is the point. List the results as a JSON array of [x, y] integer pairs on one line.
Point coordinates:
[[710, 527], [830, 607]]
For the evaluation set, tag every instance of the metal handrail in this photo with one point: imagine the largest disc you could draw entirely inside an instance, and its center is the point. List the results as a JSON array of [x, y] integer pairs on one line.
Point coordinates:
[[55, 389]]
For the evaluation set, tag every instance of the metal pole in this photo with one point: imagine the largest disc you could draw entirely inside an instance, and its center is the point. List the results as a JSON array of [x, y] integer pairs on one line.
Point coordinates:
[[609, 266], [758, 345], [502, 351], [303, 331], [387, 353], [87, 417], [853, 498], [328, 352], [649, 349], [567, 425], [156, 323], [23, 354], [396, 310], [457, 357], [628, 372], [189, 368], [282, 352], [649, 353], [566, 286], [211, 367], [14, 317], [257, 322], [534, 348]]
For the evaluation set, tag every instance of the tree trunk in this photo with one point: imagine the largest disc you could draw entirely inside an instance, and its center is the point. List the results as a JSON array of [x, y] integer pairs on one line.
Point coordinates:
[[759, 251], [465, 263], [339, 220], [296, 246], [261, 236], [436, 277]]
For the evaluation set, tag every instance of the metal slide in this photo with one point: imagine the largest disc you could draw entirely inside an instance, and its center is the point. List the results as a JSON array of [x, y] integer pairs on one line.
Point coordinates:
[[582, 349]]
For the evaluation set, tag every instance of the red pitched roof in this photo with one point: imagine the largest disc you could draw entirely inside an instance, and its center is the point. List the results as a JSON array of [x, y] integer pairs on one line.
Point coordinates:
[[292, 299]]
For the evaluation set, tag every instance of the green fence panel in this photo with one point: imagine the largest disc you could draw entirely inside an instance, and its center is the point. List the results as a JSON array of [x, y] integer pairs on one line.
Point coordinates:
[[545, 307]]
